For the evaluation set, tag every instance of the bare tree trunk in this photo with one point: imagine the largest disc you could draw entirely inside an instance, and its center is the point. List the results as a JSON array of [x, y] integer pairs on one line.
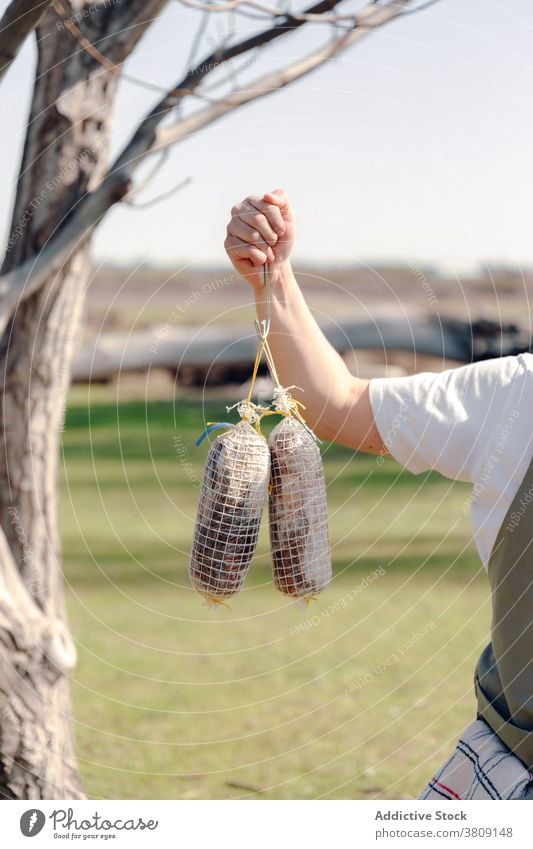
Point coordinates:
[[64, 156]]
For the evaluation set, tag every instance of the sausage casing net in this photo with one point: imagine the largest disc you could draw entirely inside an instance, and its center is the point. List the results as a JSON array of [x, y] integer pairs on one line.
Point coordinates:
[[233, 492], [299, 535]]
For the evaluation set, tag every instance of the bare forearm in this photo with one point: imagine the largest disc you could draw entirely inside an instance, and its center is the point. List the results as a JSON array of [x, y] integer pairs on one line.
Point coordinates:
[[304, 357]]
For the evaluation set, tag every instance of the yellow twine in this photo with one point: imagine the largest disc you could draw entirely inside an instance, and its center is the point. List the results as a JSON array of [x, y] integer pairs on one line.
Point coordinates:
[[258, 356], [214, 600], [263, 329]]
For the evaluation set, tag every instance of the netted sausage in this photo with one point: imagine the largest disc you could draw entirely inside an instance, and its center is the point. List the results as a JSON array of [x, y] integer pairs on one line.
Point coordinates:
[[233, 492], [299, 535]]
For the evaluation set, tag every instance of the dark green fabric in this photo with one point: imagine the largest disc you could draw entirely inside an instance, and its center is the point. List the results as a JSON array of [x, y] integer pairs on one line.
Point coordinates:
[[504, 673]]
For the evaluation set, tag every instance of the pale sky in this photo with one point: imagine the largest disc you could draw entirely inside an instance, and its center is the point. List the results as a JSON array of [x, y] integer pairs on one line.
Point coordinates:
[[414, 146]]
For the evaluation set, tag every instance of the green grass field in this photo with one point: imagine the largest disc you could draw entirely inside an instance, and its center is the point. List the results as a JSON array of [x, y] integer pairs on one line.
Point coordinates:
[[362, 695]]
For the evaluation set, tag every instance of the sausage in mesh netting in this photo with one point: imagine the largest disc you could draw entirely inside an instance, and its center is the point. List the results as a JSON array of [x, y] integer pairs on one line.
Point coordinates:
[[233, 493], [299, 535]]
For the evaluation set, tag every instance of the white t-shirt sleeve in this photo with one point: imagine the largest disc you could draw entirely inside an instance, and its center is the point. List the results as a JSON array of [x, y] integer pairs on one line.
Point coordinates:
[[445, 421], [471, 424]]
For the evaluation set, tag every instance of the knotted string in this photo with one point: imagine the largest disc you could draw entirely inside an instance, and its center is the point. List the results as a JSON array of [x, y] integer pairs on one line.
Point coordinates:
[[284, 403]]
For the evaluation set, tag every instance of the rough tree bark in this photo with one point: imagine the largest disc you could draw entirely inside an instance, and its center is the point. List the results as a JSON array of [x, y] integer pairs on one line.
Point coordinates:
[[65, 155]]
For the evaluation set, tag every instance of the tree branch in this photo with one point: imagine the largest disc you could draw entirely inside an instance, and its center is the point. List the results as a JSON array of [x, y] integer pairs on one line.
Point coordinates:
[[274, 81], [25, 279], [20, 18], [146, 204], [371, 17], [194, 77], [267, 10]]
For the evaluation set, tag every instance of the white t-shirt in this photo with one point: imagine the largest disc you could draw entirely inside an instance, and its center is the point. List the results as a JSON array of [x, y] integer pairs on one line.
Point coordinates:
[[472, 424]]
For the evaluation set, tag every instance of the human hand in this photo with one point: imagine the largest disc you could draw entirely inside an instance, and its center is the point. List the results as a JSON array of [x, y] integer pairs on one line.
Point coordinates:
[[261, 229]]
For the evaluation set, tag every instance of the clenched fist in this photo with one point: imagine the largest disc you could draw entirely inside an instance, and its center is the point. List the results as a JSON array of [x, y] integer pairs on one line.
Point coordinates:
[[261, 230]]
